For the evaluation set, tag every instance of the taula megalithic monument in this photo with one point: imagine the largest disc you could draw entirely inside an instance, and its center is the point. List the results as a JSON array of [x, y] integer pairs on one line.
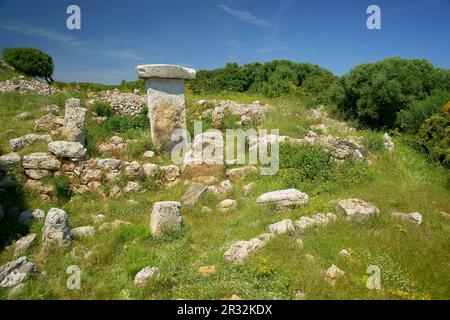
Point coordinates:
[[165, 100]]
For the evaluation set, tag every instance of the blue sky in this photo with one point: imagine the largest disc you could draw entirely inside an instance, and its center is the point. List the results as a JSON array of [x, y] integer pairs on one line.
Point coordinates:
[[116, 35]]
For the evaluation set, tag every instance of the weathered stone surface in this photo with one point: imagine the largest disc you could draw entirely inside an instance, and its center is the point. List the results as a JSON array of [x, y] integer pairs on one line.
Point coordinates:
[[74, 129], [227, 205], [388, 143], [240, 250], [248, 188], [9, 161], [24, 116], [90, 175], [28, 139], [318, 219], [113, 225], [149, 154], [165, 215], [56, 228], [194, 193], [27, 217], [282, 226], [171, 172], [357, 209], [284, 198], [66, 149], [48, 122], [224, 186], [334, 272], [82, 232], [134, 170], [37, 174], [414, 217], [205, 156], [113, 146], [15, 272], [23, 244], [143, 276], [39, 186], [98, 218], [168, 71], [123, 102], [132, 186], [240, 173], [151, 170], [109, 164], [53, 108], [42, 161]]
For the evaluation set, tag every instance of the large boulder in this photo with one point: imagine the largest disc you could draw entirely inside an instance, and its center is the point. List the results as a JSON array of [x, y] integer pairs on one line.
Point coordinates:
[[240, 250], [56, 228], [287, 198], [9, 161], [356, 209], [74, 128], [66, 149], [41, 161], [15, 272], [165, 216], [82, 232]]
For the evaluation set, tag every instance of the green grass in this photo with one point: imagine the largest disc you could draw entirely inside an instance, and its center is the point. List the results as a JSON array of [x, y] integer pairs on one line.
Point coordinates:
[[413, 259]]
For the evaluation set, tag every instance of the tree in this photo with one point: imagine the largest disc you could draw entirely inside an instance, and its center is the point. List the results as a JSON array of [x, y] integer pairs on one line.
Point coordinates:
[[30, 61]]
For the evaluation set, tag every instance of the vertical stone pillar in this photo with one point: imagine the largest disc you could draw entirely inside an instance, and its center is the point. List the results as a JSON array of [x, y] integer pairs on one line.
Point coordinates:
[[165, 100], [74, 129]]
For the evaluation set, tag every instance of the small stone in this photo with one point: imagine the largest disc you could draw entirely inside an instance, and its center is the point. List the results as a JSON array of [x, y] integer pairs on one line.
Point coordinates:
[[356, 209], [134, 170], [143, 276], [344, 253], [248, 188], [171, 172], [416, 217], [281, 227], [193, 194], [132, 187], [300, 243], [310, 257], [206, 270], [56, 228], [98, 218], [82, 232], [206, 209], [334, 273], [240, 250], [240, 173], [227, 205], [284, 198], [24, 116], [149, 154], [23, 244], [151, 170], [41, 161], [225, 186], [115, 191]]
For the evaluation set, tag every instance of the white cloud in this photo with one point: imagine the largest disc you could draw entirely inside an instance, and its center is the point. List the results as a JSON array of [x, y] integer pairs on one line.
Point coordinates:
[[72, 42], [246, 16]]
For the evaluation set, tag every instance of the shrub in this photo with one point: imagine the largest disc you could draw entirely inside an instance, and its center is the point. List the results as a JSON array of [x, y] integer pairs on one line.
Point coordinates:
[[373, 93], [373, 141], [30, 61], [434, 136], [310, 162], [122, 123], [102, 109], [61, 187], [411, 118]]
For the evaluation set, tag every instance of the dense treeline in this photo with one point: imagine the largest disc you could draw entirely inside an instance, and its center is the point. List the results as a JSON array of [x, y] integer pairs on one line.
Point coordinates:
[[273, 79]]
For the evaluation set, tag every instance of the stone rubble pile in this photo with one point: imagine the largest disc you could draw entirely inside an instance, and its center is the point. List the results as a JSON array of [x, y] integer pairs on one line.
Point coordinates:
[[22, 85], [123, 103], [246, 113]]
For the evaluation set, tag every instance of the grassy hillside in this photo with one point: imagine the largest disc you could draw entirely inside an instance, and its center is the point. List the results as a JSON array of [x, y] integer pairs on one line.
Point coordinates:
[[414, 260]]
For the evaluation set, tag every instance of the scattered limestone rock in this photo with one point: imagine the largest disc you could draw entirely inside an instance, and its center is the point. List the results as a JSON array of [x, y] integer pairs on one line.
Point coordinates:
[[334, 273], [388, 143], [282, 226], [143, 276], [15, 272], [9, 161], [23, 85], [82, 232], [149, 154], [194, 193], [171, 172], [283, 198], [318, 219], [28, 139], [24, 116], [26, 217], [344, 253], [37, 174], [206, 209], [227, 205], [206, 180], [134, 170], [224, 186], [414, 217], [109, 164], [132, 186], [151, 170], [56, 228], [113, 146], [165, 215], [98, 218], [123, 103], [248, 188], [240, 250], [240, 173], [23, 244], [41, 161], [356, 209], [49, 122], [66, 149], [113, 225], [53, 109]]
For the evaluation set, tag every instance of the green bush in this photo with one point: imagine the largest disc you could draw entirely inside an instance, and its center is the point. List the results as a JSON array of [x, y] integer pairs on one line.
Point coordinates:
[[411, 118], [373, 93], [434, 136], [102, 109], [122, 123], [373, 141], [273, 79], [310, 162], [61, 187], [30, 61]]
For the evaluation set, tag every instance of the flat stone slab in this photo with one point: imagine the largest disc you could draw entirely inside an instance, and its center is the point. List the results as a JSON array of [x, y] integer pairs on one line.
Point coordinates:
[[168, 71]]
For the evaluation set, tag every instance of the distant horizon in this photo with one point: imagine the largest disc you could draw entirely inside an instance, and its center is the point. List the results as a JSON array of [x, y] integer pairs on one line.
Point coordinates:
[[206, 35]]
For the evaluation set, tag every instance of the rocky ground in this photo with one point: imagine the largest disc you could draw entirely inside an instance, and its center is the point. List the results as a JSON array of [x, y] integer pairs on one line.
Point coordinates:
[[140, 227]]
